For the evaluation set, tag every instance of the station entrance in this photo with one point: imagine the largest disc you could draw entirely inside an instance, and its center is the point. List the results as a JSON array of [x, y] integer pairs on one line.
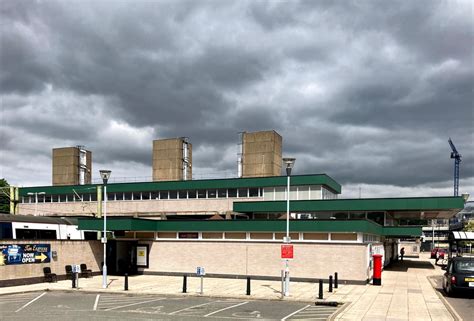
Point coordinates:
[[121, 257]]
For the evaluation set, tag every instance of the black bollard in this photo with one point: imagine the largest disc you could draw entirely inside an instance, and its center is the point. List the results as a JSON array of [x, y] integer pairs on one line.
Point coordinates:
[[185, 283], [126, 281], [330, 283], [73, 279], [320, 296], [335, 280], [248, 285]]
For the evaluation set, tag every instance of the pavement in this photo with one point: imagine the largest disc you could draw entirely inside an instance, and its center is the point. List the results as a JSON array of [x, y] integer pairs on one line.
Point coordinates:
[[405, 294]]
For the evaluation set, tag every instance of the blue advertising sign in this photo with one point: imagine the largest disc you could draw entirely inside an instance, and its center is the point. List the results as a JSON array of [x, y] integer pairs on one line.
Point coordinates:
[[25, 253]]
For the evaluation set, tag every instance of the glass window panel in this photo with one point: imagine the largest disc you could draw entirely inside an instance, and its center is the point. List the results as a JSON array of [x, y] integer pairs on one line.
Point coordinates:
[[243, 192], [280, 193], [188, 235], [128, 196], [201, 193], [253, 192], [183, 194], [155, 195], [232, 192], [163, 195], [212, 193], [357, 215], [93, 197], [222, 193], [173, 195], [136, 196], [192, 194], [145, 195]]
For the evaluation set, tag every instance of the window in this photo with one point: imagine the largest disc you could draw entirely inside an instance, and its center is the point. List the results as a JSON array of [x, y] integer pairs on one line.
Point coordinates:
[[146, 195], [377, 217], [55, 198], [183, 194], [154, 195], [136, 196], [119, 196], [192, 194], [201, 193], [222, 193], [173, 195], [212, 193], [232, 192], [163, 195], [243, 192], [253, 192], [127, 196]]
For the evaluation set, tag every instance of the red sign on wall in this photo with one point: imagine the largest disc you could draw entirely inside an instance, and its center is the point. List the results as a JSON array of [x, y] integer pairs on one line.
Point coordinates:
[[287, 251]]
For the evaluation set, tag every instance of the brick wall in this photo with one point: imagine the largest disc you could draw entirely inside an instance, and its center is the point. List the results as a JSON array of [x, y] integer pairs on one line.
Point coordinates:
[[68, 253], [262, 259]]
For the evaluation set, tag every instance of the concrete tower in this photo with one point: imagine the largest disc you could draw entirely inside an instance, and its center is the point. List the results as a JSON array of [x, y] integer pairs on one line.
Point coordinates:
[[172, 159], [260, 154], [72, 166]]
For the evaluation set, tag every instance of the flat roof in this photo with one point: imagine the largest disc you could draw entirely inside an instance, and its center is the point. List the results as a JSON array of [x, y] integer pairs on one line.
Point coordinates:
[[345, 226], [38, 219], [408, 207], [248, 182]]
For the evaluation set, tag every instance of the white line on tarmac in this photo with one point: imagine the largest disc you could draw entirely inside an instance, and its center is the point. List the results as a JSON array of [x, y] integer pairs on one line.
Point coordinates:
[[232, 306], [194, 306], [289, 315], [96, 302], [30, 302], [136, 303]]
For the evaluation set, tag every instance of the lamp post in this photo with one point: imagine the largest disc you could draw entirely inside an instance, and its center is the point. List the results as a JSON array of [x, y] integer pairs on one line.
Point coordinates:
[[289, 162], [105, 174], [36, 199]]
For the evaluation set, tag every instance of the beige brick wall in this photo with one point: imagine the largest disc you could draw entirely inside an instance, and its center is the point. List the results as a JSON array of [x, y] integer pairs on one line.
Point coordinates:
[[69, 252], [311, 260]]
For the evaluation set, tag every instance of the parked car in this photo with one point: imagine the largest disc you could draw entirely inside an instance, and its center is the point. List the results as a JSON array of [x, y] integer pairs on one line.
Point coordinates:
[[436, 250], [459, 275]]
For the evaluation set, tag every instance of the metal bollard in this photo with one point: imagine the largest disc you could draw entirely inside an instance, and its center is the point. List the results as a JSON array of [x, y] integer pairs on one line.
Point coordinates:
[[320, 296], [330, 283], [335, 280], [126, 282], [248, 285], [73, 279], [185, 283]]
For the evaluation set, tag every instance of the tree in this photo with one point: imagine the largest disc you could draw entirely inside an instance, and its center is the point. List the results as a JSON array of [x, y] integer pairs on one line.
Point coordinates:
[[4, 196]]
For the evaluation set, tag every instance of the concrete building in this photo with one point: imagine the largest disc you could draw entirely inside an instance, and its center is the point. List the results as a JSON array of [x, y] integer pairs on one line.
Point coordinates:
[[177, 223], [172, 159], [260, 154], [72, 166]]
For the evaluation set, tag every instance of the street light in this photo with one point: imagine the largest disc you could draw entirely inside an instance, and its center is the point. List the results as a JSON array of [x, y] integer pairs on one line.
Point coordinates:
[[289, 162], [105, 174], [36, 199]]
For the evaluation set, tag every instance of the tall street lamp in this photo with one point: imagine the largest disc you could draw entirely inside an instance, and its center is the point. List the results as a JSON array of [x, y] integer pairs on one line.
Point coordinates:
[[289, 162], [105, 174], [36, 199]]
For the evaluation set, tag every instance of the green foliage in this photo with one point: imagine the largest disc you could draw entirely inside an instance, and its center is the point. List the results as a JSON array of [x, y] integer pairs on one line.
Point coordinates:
[[4, 196], [469, 226]]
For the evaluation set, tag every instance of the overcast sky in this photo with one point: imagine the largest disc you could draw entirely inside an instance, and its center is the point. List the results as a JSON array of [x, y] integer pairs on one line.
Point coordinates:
[[367, 92]]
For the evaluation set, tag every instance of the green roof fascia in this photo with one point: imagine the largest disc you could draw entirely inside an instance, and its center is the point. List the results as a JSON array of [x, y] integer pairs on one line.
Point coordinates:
[[297, 180], [375, 204], [130, 224], [402, 231]]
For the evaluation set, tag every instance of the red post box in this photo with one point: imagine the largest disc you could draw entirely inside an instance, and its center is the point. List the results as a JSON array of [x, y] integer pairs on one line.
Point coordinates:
[[377, 279]]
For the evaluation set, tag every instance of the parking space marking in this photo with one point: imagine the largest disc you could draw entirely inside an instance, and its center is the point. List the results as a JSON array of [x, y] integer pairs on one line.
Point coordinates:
[[313, 313], [232, 306], [12, 298], [96, 302], [291, 314], [136, 303], [27, 304], [192, 307]]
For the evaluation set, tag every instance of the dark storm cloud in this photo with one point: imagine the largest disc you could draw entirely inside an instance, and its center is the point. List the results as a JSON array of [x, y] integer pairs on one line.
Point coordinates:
[[365, 92]]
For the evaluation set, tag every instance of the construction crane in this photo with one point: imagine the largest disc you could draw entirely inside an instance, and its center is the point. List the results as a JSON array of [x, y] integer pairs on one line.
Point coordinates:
[[457, 160]]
